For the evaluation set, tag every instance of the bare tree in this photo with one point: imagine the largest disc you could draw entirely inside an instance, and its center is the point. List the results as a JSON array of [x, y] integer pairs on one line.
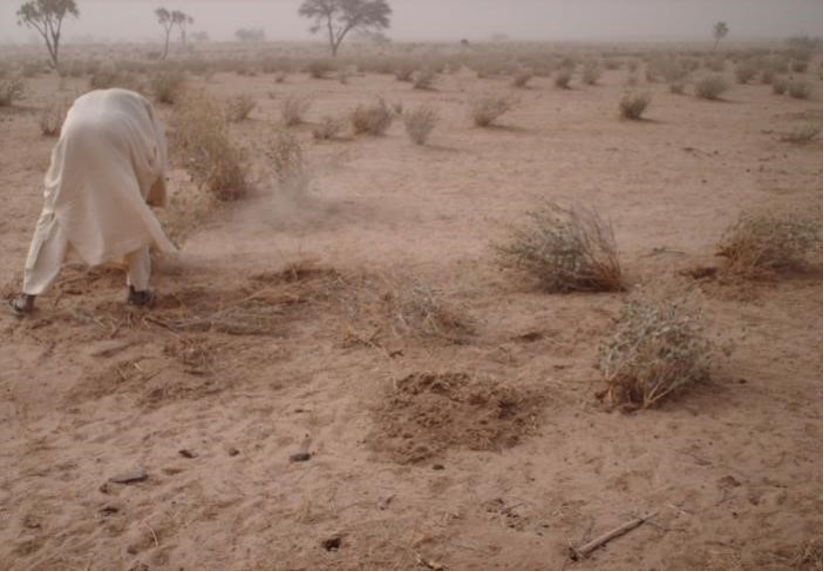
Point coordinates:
[[339, 17], [719, 32], [182, 20], [46, 16], [164, 18]]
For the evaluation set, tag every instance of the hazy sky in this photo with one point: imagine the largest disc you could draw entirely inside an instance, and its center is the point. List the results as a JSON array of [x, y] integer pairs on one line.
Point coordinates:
[[454, 19]]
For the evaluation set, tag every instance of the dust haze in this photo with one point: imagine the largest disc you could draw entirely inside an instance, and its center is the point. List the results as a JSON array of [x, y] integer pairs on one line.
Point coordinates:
[[423, 20]]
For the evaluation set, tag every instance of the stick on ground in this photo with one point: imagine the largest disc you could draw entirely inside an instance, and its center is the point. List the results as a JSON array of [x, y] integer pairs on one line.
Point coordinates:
[[586, 549]]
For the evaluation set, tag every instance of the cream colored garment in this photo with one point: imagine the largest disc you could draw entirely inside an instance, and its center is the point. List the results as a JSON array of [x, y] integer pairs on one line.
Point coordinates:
[[109, 163]]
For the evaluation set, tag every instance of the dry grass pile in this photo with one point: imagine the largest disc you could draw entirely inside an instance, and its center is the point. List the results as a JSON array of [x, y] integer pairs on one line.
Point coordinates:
[[485, 110], [201, 137], [52, 117], [659, 346], [425, 414], [764, 245], [293, 108], [374, 119], [633, 105], [239, 107], [11, 90], [419, 123], [565, 250]]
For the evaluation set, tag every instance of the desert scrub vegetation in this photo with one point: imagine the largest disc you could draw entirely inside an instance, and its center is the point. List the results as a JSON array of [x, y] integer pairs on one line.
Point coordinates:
[[564, 249], [799, 89], [329, 128], [745, 72], [424, 79], [320, 69], [239, 107], [633, 105], [779, 85], [487, 109], [591, 72], [106, 78], [52, 117], [659, 346], [201, 137], [373, 119], [803, 134], [293, 108], [562, 78], [167, 86], [521, 77], [288, 163], [760, 245], [419, 123], [711, 87], [11, 90]]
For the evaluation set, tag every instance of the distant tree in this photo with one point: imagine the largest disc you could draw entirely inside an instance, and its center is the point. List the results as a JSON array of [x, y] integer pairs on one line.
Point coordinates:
[[719, 32], [46, 16], [164, 18], [182, 20], [250, 35], [339, 17]]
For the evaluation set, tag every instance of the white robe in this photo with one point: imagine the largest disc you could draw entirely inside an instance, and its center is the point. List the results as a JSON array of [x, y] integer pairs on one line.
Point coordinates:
[[108, 166]]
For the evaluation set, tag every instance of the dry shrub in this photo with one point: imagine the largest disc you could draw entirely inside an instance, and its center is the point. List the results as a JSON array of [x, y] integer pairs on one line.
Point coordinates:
[[762, 245], [659, 346], [799, 66], [522, 77], [779, 85], [711, 87], [53, 116], [319, 69], [487, 109], [281, 77], [565, 250], [415, 309], [11, 90], [591, 73], [239, 107], [374, 119], [803, 134], [424, 79], [745, 72], [293, 107], [633, 105], [419, 123], [288, 163], [677, 87], [329, 128], [562, 78], [799, 89], [105, 78], [168, 86], [404, 72], [201, 135]]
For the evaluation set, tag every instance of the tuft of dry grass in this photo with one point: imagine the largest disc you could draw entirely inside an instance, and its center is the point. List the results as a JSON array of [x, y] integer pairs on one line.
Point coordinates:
[[419, 123], [168, 86], [424, 79], [779, 85], [201, 136], [564, 249], [745, 72], [239, 107], [711, 87], [105, 78], [485, 110], [633, 105], [11, 90], [374, 119], [803, 134], [52, 117], [799, 89], [659, 346], [329, 128], [591, 72], [288, 163], [562, 78], [521, 77], [762, 245], [293, 108]]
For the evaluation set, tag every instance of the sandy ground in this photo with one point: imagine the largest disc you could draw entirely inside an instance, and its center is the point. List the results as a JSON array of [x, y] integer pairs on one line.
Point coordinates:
[[508, 458]]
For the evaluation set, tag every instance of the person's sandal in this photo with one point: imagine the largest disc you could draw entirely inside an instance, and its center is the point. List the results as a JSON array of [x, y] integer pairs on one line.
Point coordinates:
[[22, 305], [139, 297]]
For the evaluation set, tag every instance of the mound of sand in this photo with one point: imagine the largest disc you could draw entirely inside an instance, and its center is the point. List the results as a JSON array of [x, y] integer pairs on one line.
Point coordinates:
[[427, 413]]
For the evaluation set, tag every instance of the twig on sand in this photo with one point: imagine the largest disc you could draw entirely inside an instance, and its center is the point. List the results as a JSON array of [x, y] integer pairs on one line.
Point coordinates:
[[586, 549], [154, 536]]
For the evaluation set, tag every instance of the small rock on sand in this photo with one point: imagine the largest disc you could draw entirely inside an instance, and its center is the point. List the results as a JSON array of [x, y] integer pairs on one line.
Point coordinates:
[[133, 476]]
